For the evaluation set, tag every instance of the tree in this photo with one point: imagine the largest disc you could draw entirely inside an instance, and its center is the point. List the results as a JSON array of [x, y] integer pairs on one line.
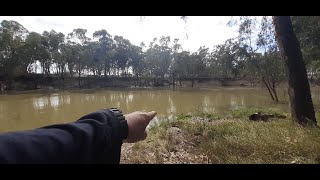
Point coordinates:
[[150, 56], [302, 110], [176, 47], [307, 30], [137, 63], [192, 67], [270, 66], [227, 60], [69, 53], [89, 56], [158, 58], [12, 35], [54, 42], [164, 59], [247, 29], [201, 59], [78, 40], [33, 51], [121, 54], [182, 65], [92, 57], [271, 71], [106, 46]]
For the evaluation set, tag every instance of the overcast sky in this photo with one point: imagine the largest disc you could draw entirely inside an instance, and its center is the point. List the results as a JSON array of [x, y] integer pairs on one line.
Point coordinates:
[[202, 30]]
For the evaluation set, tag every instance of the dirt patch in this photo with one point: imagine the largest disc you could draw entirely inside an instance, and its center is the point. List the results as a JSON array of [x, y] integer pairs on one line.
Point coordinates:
[[175, 146], [178, 148]]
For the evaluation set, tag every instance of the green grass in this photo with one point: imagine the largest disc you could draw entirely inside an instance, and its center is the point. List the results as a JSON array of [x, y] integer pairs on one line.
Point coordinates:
[[236, 139], [184, 116], [262, 142], [208, 115]]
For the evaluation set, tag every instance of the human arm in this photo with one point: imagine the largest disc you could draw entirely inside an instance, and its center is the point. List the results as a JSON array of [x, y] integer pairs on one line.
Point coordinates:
[[95, 138]]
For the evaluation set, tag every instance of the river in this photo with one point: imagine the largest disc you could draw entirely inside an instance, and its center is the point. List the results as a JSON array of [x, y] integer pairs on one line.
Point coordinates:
[[34, 109]]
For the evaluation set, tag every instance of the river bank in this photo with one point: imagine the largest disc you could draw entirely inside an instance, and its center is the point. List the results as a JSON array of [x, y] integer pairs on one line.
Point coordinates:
[[209, 138], [35, 82]]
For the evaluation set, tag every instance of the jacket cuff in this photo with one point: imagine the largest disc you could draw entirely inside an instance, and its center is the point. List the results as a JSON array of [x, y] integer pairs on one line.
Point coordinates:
[[124, 129], [121, 123]]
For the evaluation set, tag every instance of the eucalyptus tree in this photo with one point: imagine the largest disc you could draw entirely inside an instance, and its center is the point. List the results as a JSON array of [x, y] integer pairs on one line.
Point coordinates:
[[78, 41], [302, 110]]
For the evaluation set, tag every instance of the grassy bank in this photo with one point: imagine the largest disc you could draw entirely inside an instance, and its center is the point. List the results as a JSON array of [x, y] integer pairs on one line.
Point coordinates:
[[231, 138]]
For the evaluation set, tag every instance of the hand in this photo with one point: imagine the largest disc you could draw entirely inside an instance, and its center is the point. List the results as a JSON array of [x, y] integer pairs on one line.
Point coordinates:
[[137, 123]]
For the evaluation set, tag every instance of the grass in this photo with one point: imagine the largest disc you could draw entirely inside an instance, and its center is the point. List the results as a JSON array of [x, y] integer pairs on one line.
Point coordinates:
[[229, 140], [270, 142]]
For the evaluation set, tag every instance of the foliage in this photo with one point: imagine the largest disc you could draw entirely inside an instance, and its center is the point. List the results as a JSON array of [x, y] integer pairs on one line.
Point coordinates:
[[253, 55]]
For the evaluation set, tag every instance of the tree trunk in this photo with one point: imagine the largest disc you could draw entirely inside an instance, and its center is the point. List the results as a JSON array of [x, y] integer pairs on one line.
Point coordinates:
[[273, 88], [1, 88], [192, 81], [59, 82], [70, 70], [35, 80], [105, 68], [62, 82], [62, 78], [137, 80], [173, 84], [79, 73], [302, 110], [266, 84], [275, 94], [10, 83]]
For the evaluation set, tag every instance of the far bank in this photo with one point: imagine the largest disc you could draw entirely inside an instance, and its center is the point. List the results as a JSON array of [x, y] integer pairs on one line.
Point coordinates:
[[39, 81]]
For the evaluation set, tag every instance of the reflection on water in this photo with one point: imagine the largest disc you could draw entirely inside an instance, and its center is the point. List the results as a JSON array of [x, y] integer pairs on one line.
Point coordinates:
[[52, 101], [25, 111]]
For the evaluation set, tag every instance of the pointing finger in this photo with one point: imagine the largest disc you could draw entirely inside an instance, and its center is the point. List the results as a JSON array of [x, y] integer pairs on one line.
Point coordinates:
[[151, 115]]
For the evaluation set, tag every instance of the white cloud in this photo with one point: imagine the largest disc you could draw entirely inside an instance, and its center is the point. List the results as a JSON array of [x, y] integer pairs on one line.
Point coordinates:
[[201, 30]]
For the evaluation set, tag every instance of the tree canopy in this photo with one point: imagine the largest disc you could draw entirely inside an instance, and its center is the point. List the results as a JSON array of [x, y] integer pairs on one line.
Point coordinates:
[[252, 55]]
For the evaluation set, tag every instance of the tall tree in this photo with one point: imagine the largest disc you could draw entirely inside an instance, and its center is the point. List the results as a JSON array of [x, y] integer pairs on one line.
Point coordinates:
[[227, 60], [33, 51], [89, 56], [182, 65], [79, 39], [202, 61], [270, 66], [302, 110], [176, 47], [137, 63], [54, 41], [106, 46], [121, 54], [164, 58], [307, 30], [12, 35], [271, 71]]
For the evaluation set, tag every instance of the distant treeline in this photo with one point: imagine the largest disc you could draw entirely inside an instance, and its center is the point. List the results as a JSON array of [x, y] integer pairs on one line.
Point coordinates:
[[253, 55]]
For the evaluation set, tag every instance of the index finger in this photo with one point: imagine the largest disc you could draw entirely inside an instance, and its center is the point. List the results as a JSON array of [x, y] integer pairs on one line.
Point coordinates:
[[151, 115]]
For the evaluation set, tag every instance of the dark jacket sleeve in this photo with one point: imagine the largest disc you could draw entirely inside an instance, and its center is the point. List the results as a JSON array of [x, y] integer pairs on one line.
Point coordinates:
[[94, 138]]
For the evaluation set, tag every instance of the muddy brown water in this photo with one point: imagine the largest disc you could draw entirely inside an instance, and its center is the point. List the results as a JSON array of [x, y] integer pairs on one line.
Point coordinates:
[[26, 110]]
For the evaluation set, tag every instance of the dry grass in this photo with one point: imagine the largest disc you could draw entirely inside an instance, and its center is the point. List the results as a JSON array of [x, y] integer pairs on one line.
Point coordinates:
[[232, 139]]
